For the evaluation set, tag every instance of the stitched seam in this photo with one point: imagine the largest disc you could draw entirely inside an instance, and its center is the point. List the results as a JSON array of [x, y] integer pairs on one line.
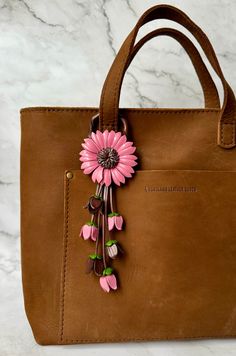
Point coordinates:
[[219, 72], [173, 111], [148, 338], [102, 106], [201, 35], [136, 110], [113, 124], [116, 95], [43, 109], [232, 133], [216, 65], [66, 236]]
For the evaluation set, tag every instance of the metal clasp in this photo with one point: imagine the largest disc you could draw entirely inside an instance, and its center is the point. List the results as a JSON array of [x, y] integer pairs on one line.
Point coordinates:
[[122, 124]]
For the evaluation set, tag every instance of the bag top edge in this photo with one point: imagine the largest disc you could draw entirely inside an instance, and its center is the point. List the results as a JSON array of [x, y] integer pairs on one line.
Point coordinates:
[[94, 109]]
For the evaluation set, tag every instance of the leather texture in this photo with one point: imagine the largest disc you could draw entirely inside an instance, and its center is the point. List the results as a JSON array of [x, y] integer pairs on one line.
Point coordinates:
[[177, 275]]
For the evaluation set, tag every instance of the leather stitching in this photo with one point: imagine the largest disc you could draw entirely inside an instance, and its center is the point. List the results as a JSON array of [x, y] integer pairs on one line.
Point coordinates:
[[115, 95], [198, 31], [136, 110], [148, 338], [96, 340], [102, 106], [66, 236], [195, 31], [222, 138]]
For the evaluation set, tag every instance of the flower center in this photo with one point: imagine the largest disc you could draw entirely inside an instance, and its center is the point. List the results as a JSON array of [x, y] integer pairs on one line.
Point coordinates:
[[108, 157]]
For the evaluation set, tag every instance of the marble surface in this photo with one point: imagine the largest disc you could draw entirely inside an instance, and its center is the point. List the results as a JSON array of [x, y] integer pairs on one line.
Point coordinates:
[[58, 52]]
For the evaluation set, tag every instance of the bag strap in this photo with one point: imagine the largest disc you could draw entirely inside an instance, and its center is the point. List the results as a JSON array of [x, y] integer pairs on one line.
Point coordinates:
[[109, 104], [209, 89]]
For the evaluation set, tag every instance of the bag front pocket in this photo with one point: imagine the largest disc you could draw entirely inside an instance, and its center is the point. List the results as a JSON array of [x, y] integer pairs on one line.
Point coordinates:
[[177, 275]]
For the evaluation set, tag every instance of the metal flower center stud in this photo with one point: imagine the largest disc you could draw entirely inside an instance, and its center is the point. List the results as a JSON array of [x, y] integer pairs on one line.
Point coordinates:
[[110, 158]]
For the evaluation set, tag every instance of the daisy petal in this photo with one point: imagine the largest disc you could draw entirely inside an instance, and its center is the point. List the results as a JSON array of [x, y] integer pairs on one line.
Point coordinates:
[[94, 175], [124, 171], [124, 166], [100, 174], [97, 174], [89, 149], [127, 151], [128, 162], [116, 138], [118, 175], [91, 145], [105, 136], [121, 142], [104, 284], [90, 169], [110, 138], [85, 158], [89, 156], [124, 146], [85, 153], [111, 280], [132, 157], [95, 140], [107, 177], [114, 178], [89, 164], [100, 138]]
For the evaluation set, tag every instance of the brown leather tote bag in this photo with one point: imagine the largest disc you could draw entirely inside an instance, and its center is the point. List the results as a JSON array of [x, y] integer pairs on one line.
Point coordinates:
[[166, 211]]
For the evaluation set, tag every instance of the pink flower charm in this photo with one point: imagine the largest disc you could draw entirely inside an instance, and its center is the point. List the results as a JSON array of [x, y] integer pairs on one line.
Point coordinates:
[[89, 230], [108, 280], [112, 248], [115, 220], [108, 156]]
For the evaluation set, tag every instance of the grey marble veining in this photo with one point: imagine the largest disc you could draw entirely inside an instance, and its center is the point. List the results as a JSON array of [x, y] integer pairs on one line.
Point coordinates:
[[57, 53]]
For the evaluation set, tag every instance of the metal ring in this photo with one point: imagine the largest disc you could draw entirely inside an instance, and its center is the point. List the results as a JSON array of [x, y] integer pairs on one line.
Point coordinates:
[[95, 121]]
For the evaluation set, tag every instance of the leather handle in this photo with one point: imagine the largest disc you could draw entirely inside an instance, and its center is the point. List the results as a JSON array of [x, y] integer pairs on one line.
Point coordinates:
[[109, 104], [209, 89]]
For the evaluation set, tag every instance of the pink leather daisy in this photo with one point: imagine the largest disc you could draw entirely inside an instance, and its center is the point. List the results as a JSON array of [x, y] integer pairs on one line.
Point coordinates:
[[108, 156]]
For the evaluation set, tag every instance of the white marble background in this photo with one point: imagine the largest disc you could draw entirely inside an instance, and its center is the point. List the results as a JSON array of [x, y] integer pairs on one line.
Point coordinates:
[[57, 52]]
